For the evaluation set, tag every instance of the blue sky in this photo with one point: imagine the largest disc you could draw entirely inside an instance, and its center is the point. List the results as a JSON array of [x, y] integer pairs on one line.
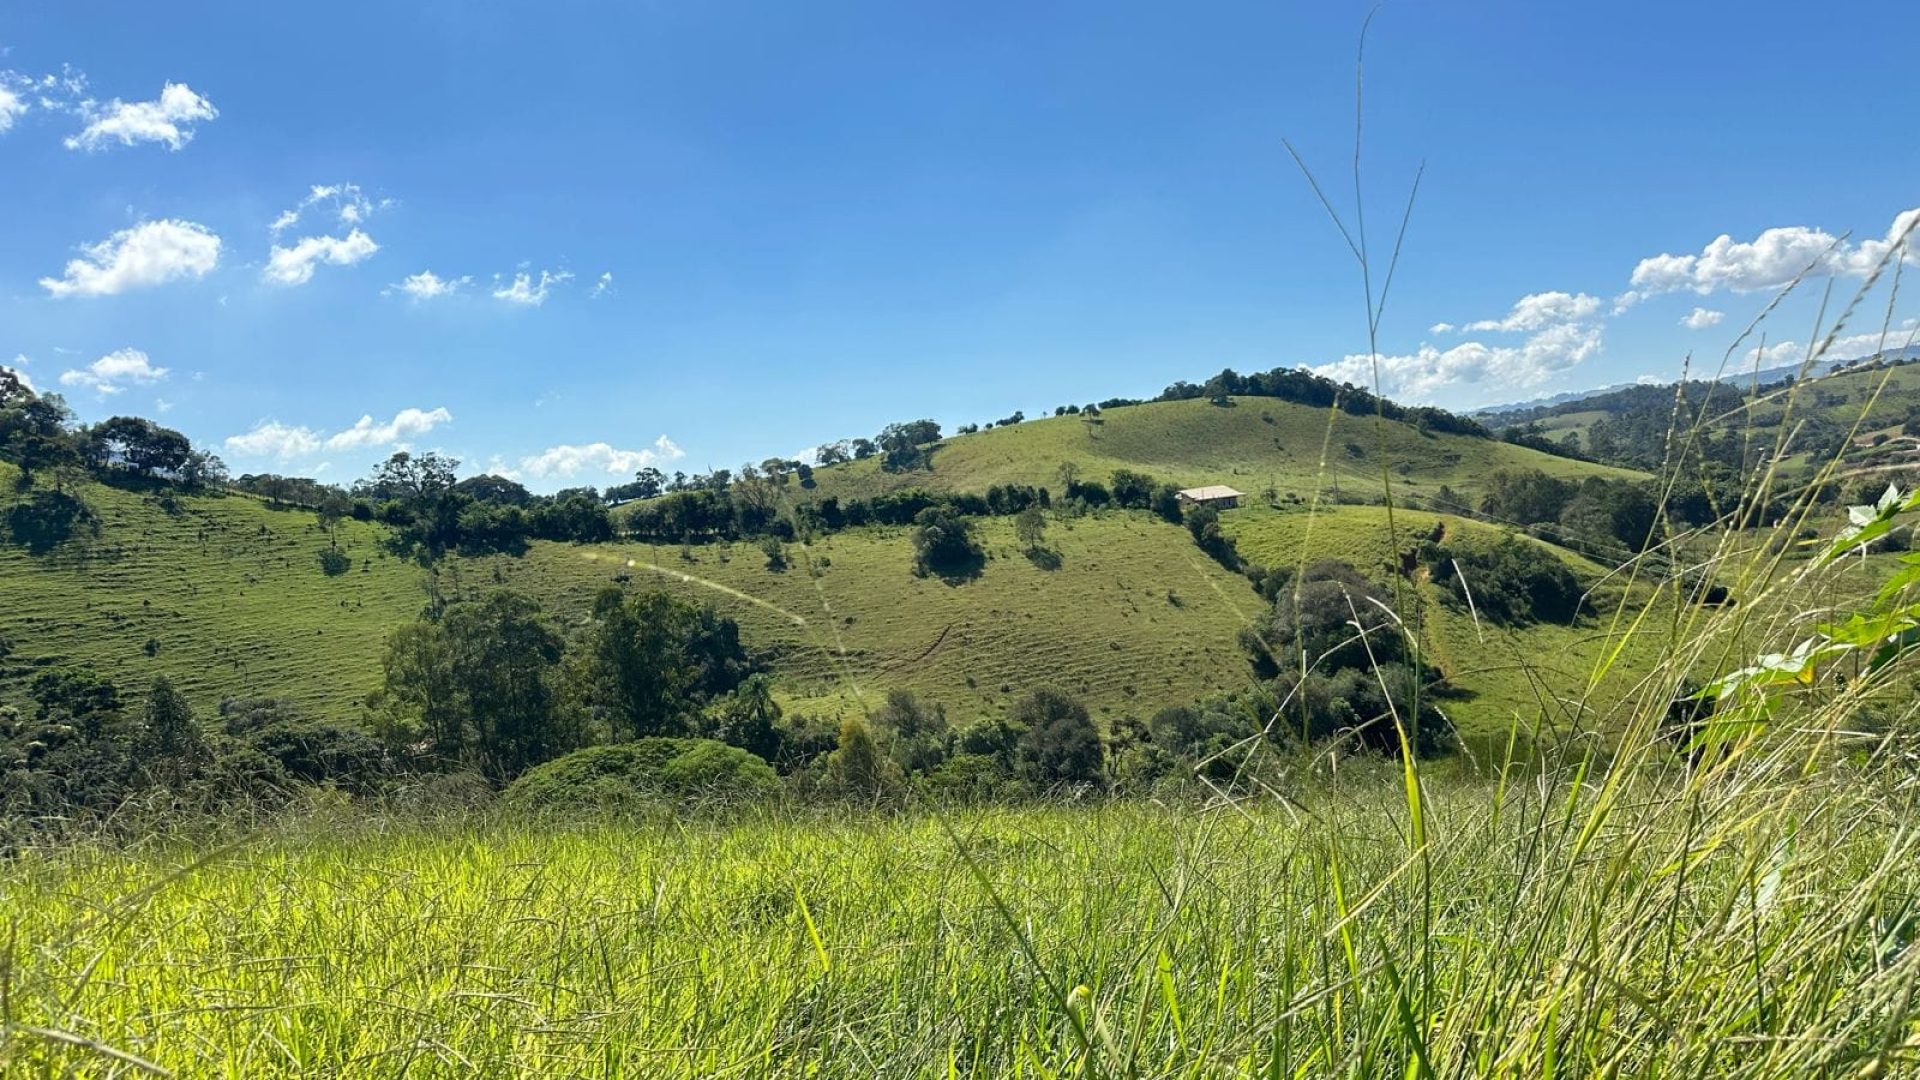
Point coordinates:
[[765, 226]]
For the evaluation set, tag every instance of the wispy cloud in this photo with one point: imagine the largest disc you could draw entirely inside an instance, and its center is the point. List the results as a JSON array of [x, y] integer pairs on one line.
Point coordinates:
[[427, 285], [170, 118], [525, 291]]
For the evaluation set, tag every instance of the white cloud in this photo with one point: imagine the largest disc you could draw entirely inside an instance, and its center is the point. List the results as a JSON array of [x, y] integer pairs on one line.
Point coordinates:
[[1700, 318], [567, 461], [602, 287], [524, 291], [1420, 374], [1769, 261], [349, 204], [12, 107], [405, 424], [1441, 328], [169, 119], [148, 254], [294, 265], [1541, 309], [427, 285], [270, 438], [114, 372]]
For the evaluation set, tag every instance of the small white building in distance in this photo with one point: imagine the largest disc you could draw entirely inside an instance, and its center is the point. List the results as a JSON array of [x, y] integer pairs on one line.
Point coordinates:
[[1218, 496]]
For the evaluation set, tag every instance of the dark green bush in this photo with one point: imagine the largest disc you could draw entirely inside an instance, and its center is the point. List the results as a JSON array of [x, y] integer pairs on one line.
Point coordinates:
[[628, 776]]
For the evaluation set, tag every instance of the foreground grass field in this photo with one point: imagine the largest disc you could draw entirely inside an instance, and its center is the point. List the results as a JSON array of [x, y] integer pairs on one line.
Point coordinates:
[[1652, 927]]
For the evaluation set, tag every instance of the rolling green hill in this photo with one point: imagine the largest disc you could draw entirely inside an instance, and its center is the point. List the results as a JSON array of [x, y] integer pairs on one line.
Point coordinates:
[[1251, 444], [228, 591], [227, 597]]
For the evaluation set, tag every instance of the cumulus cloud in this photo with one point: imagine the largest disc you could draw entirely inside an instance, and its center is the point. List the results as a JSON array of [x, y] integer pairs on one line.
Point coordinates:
[[1769, 261], [1420, 374], [1700, 318], [1536, 310], [294, 265], [168, 119], [406, 424], [523, 290], [568, 461], [427, 285], [1441, 328], [114, 372], [270, 438], [148, 254]]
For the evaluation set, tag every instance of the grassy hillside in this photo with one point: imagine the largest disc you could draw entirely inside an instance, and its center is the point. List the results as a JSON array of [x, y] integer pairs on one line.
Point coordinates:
[[1133, 617], [228, 592], [1254, 443]]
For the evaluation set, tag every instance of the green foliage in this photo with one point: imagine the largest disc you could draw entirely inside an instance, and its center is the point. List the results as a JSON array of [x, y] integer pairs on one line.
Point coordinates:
[[1510, 581], [624, 777], [334, 562], [1059, 744], [479, 687], [857, 770], [944, 544]]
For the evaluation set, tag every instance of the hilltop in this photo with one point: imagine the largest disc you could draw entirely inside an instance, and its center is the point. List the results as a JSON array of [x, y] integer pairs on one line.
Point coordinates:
[[1251, 443]]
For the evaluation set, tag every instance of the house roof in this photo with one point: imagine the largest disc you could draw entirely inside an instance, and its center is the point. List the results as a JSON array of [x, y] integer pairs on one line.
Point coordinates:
[[1212, 491]]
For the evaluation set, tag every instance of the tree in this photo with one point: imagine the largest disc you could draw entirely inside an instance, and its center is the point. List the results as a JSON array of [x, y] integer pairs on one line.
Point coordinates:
[[649, 483], [140, 445], [834, 453], [332, 508], [1061, 744], [857, 769], [1030, 526], [173, 747], [943, 544], [479, 686], [902, 445], [748, 718], [1333, 618], [494, 489]]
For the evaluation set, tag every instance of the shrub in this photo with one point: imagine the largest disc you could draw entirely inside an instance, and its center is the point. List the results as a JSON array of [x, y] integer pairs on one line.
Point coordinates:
[[1061, 744], [334, 562], [944, 544], [629, 776], [1511, 581]]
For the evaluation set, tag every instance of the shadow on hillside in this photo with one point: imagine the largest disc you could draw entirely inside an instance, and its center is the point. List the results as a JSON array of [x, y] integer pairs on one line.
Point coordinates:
[[958, 571], [1044, 558], [45, 520]]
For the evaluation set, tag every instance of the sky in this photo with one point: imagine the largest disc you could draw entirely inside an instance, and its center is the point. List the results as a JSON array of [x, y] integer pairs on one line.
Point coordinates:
[[565, 241]]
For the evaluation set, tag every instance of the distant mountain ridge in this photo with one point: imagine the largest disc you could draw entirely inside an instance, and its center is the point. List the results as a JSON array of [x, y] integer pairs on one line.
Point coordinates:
[[1496, 413]]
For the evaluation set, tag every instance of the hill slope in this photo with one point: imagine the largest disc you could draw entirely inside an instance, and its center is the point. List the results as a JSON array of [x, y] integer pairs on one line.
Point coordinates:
[[1253, 443]]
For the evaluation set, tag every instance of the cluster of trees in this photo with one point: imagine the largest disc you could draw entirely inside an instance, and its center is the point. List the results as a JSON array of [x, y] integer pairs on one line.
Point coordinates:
[[1607, 518], [1303, 387], [900, 447], [1510, 581], [82, 750], [1343, 665], [41, 438], [495, 686]]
